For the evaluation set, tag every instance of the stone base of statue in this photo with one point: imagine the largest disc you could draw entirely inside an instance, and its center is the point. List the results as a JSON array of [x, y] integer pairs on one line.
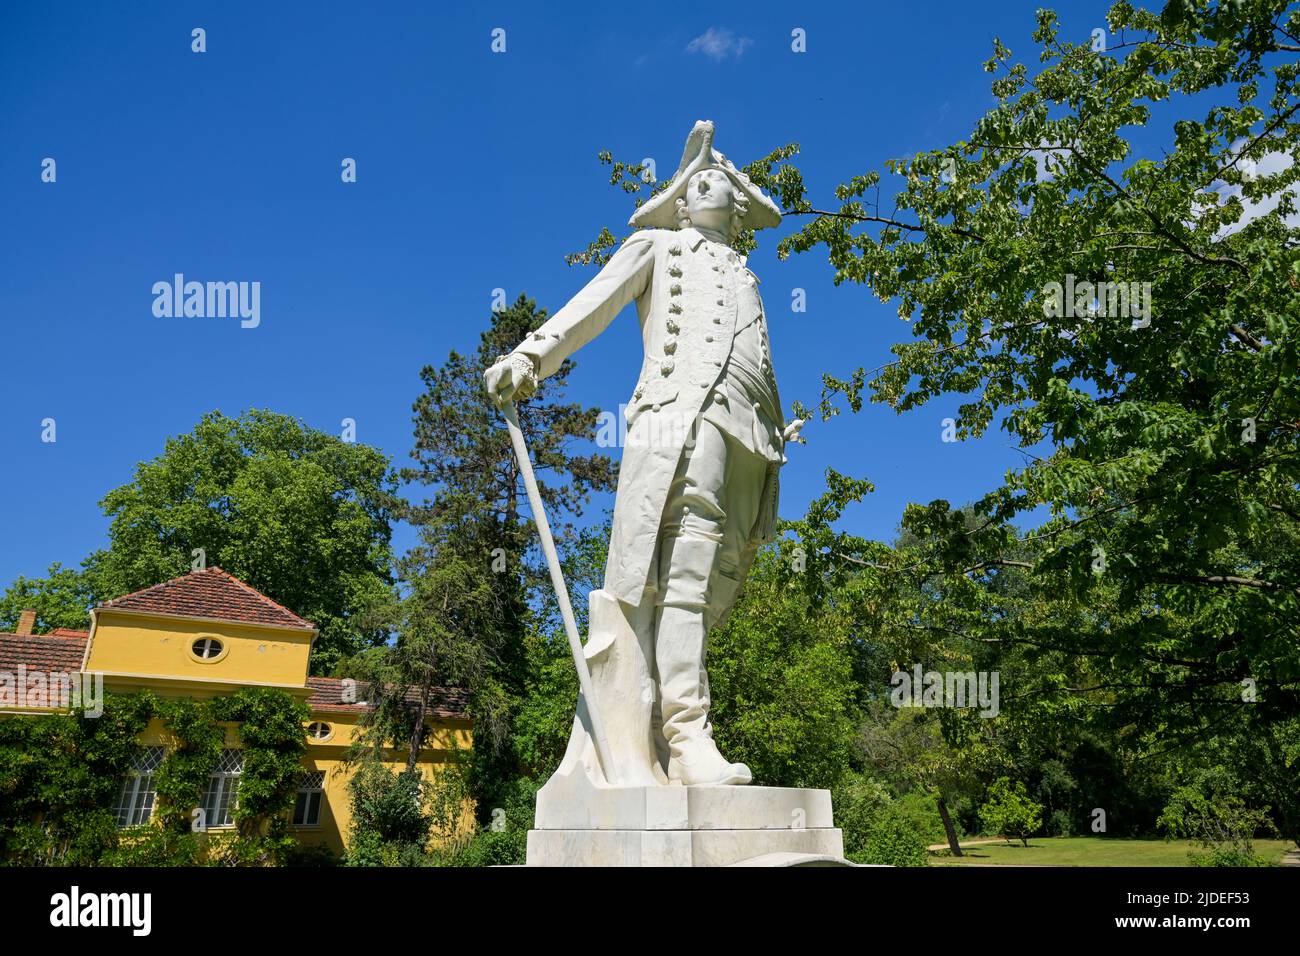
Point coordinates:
[[579, 824]]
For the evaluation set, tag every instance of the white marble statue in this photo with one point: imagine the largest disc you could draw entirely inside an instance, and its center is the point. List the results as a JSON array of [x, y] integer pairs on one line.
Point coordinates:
[[697, 490]]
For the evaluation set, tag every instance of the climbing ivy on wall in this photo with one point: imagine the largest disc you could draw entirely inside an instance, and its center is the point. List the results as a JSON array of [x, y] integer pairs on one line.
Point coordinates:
[[183, 776], [60, 776]]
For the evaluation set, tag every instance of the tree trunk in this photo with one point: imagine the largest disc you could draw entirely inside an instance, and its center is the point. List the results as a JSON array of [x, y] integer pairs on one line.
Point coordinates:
[[417, 733], [948, 828]]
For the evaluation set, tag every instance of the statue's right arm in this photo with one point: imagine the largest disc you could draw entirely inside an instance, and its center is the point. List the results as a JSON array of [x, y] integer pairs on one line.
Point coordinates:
[[625, 277]]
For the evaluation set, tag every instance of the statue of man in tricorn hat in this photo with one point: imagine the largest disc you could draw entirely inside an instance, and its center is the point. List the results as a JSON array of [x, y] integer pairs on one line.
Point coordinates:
[[697, 489]]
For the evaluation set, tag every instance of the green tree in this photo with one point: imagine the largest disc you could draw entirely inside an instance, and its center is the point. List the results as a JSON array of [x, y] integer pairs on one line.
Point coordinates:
[[63, 598], [1009, 811], [301, 515], [781, 676], [1171, 468], [927, 753], [475, 571]]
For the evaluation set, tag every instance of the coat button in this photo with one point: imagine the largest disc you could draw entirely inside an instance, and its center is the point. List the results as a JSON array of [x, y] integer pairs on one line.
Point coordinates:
[[722, 302], [656, 406], [708, 338], [717, 321]]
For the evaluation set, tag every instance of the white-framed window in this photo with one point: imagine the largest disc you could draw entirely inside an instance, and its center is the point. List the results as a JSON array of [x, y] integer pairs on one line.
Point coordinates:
[[223, 787], [319, 730], [206, 648], [135, 802], [311, 793]]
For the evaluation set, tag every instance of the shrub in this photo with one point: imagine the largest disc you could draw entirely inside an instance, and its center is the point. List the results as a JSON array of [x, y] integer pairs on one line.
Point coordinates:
[[491, 848], [311, 854], [857, 802], [1060, 824], [1219, 821], [387, 815], [1010, 813], [504, 842], [153, 845], [893, 840]]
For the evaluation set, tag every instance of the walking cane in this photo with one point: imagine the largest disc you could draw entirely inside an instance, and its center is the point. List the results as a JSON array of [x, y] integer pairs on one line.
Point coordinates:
[[561, 591]]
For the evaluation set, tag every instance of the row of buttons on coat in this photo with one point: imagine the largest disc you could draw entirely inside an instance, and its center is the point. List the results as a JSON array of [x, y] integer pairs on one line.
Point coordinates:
[[667, 366]]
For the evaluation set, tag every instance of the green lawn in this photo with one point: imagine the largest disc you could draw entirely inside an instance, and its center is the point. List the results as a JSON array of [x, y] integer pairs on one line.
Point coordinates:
[[1090, 851]]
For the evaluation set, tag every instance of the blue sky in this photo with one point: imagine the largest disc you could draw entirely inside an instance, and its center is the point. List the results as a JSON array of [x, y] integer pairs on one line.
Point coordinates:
[[475, 171]]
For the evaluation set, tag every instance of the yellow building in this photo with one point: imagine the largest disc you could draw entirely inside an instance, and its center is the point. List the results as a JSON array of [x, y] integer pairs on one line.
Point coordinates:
[[204, 635]]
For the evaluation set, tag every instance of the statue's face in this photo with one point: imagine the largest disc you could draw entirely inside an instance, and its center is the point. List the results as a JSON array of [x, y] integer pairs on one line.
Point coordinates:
[[709, 190]]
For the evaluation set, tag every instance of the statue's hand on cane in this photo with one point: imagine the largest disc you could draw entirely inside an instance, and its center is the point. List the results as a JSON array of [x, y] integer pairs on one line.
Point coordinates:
[[512, 378]]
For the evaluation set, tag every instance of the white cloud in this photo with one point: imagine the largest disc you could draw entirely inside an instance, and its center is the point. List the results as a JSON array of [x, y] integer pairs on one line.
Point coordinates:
[[1269, 164], [719, 44], [1050, 160]]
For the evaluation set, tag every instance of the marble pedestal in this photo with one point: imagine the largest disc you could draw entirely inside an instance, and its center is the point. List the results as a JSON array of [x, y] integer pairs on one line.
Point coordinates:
[[578, 824]]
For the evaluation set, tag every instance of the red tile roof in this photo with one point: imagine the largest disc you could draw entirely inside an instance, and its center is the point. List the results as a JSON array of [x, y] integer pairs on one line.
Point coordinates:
[[63, 653], [211, 593], [68, 632], [42, 652], [327, 695]]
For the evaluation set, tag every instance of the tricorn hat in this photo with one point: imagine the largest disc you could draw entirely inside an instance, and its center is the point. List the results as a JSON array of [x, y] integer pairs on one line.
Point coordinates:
[[661, 211]]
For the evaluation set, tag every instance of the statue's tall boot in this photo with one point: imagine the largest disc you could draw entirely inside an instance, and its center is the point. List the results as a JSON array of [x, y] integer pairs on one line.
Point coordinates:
[[680, 642]]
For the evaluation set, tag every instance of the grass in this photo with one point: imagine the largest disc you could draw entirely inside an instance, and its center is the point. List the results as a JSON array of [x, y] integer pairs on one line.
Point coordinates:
[[1091, 851]]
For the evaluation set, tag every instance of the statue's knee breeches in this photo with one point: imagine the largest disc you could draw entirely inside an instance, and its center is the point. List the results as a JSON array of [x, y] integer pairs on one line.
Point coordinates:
[[688, 555]]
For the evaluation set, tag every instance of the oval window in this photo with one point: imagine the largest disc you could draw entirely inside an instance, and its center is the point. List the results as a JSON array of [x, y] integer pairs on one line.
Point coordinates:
[[317, 730], [206, 648]]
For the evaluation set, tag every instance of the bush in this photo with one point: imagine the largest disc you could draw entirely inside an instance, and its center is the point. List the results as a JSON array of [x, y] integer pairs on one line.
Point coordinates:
[[154, 845], [504, 842], [922, 810], [857, 802], [893, 840], [1218, 820], [881, 829], [386, 809], [490, 848], [1060, 824], [1227, 856], [1010, 813], [314, 854]]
